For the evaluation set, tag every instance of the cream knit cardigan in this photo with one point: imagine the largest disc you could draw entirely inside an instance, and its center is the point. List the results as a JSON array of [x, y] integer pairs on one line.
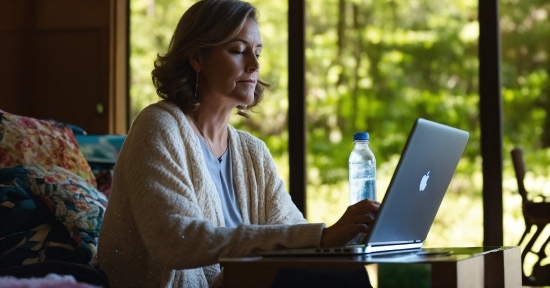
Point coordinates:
[[163, 226]]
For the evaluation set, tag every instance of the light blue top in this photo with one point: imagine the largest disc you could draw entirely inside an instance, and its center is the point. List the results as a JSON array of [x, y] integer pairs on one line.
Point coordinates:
[[222, 174]]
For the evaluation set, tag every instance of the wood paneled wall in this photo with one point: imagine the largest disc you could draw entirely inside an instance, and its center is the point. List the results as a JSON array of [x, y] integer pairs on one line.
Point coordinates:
[[65, 60]]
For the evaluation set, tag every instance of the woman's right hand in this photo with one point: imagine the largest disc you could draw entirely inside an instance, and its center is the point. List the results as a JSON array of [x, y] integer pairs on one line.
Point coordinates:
[[357, 219]]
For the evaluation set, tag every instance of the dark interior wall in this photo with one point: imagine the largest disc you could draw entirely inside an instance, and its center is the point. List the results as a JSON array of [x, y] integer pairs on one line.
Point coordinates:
[[55, 60], [12, 26]]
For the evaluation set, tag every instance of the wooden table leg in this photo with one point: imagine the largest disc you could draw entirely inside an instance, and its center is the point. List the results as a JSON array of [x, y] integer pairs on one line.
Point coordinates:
[[461, 274], [503, 268]]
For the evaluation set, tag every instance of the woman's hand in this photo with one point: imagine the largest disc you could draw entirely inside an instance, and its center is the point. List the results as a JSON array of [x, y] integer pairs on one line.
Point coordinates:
[[356, 219]]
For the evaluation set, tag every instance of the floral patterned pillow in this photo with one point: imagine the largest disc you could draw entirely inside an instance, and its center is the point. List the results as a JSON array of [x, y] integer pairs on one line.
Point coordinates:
[[54, 215], [28, 141]]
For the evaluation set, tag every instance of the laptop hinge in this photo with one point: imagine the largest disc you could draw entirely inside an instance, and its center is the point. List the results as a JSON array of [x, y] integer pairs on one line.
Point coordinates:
[[377, 244], [388, 247]]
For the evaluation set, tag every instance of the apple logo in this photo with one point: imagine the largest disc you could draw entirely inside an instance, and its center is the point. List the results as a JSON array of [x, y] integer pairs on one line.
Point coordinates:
[[424, 181]]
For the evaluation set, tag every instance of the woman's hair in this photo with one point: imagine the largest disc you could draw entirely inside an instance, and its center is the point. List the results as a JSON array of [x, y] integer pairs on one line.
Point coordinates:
[[207, 24]]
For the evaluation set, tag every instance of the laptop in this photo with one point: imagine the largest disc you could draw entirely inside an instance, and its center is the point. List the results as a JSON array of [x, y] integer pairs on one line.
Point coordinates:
[[416, 190]]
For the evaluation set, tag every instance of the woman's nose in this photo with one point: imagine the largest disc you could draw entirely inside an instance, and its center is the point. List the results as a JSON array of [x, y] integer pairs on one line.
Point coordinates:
[[253, 63]]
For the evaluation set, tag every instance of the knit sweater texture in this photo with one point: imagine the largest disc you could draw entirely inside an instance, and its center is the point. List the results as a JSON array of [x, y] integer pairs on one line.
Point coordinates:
[[164, 225]]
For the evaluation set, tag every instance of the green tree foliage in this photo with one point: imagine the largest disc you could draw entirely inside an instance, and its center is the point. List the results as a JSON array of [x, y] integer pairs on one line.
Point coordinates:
[[152, 23], [525, 71], [376, 65]]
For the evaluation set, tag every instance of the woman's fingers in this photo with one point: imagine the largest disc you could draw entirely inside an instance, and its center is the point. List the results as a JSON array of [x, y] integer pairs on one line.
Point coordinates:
[[365, 206], [362, 208], [356, 219]]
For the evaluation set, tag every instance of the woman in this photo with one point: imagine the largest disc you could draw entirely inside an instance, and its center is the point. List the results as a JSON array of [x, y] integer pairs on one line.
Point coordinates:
[[188, 188]]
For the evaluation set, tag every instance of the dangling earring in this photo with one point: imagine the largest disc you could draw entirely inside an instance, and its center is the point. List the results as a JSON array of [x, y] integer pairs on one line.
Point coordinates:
[[197, 86]]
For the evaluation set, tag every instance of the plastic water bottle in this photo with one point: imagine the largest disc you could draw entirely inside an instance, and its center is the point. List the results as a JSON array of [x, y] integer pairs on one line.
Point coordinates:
[[362, 170]]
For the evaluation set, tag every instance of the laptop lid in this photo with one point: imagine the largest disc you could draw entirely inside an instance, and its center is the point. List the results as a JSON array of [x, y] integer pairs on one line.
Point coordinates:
[[418, 185], [421, 178]]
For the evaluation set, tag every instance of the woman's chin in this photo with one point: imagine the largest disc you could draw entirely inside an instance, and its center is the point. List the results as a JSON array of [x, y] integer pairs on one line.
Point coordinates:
[[246, 100]]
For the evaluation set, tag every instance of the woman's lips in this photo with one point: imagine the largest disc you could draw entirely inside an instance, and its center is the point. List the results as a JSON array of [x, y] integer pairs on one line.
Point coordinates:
[[249, 82]]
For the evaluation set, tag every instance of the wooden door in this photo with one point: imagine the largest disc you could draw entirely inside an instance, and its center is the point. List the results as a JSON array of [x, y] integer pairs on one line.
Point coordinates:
[[65, 60]]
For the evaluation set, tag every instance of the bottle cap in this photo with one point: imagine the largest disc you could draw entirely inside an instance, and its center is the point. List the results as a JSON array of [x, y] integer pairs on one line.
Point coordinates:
[[361, 136]]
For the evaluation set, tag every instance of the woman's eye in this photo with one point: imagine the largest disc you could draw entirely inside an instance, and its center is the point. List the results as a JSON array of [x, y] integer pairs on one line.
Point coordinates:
[[239, 52]]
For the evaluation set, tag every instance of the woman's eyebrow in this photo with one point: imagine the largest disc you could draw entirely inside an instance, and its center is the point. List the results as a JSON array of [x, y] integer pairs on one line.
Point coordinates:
[[245, 42]]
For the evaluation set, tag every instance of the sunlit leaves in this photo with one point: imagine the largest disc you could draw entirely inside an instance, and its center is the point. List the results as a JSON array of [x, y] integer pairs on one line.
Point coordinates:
[[389, 62]]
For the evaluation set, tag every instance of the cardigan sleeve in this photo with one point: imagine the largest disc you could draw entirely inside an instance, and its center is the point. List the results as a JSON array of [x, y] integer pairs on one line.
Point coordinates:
[[155, 172], [279, 205]]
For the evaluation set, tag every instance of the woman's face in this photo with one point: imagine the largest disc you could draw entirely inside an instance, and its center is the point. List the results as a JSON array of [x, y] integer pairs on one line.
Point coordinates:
[[229, 72]]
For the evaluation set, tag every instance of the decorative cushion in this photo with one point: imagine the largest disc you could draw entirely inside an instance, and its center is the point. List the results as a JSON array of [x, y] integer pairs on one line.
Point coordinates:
[[101, 152], [48, 213], [28, 141]]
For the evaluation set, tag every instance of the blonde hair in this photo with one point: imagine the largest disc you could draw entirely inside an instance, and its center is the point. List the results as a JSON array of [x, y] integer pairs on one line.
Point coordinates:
[[206, 24]]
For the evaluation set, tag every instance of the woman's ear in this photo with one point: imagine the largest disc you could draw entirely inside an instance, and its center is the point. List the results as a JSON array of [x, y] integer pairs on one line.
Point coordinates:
[[195, 60]]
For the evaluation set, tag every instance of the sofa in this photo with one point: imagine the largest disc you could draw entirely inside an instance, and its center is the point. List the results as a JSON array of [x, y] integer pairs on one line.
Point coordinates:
[[51, 209]]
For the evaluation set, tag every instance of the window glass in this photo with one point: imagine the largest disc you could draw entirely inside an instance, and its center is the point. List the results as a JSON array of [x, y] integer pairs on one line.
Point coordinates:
[[376, 66]]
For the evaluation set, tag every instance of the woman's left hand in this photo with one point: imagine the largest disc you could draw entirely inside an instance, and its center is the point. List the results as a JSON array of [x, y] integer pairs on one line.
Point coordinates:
[[357, 219]]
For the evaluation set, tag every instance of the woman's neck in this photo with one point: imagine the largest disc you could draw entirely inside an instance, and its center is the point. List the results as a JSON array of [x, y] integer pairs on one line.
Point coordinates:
[[212, 128]]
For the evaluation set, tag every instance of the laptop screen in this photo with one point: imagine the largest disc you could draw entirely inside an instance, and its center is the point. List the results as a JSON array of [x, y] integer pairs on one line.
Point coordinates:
[[420, 181]]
